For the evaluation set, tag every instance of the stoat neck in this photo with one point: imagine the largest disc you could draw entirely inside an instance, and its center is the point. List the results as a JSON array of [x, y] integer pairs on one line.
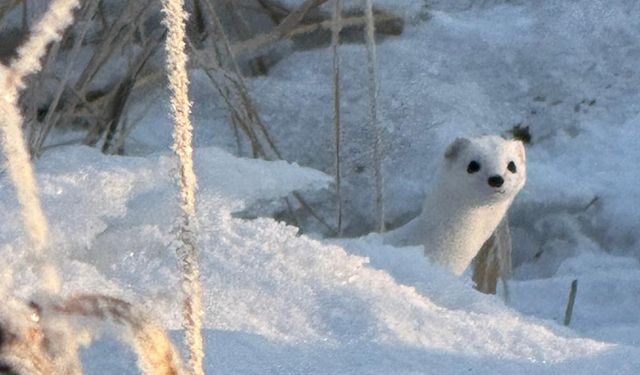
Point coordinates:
[[455, 229]]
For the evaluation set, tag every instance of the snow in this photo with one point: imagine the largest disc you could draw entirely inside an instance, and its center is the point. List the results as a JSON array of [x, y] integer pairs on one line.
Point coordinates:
[[280, 302], [284, 302]]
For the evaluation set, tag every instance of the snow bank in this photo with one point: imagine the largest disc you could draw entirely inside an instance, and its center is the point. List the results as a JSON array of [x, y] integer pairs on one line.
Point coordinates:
[[277, 301]]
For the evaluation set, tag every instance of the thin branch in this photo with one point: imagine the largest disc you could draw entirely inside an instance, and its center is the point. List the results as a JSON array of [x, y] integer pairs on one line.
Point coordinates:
[[225, 74], [281, 31]]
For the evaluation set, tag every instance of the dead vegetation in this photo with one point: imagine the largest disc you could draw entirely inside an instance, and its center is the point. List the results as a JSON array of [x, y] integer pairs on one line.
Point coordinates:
[[43, 338], [113, 48]]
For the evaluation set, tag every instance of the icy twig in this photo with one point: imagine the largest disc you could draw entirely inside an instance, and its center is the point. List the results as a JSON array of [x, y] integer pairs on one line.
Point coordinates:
[[175, 17]]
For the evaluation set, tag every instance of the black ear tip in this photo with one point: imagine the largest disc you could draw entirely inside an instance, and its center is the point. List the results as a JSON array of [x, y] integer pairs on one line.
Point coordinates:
[[455, 147]]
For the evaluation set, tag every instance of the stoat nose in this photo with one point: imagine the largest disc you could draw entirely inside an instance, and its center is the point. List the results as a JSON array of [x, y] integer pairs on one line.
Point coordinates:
[[496, 181]]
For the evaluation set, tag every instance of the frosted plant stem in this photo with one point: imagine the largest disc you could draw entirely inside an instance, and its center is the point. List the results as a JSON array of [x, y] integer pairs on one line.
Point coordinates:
[[175, 17], [48, 29], [335, 42], [372, 68], [28, 61], [23, 178]]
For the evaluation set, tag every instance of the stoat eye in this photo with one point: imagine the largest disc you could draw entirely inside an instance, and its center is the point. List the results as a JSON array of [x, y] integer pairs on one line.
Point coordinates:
[[512, 167], [473, 167]]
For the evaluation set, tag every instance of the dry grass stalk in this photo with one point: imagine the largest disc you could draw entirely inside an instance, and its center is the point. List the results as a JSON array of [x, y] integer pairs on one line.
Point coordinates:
[[227, 78], [372, 68], [48, 29], [121, 96], [84, 20], [315, 21], [335, 42], [175, 17], [380, 18], [116, 36]]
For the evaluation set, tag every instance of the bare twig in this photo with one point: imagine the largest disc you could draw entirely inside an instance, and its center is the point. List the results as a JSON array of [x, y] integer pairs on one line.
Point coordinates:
[[122, 96], [225, 74], [346, 21], [84, 20], [281, 31], [120, 33], [385, 23], [572, 299]]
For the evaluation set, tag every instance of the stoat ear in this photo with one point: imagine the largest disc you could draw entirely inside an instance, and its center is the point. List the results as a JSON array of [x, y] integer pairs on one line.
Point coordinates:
[[520, 152], [456, 147]]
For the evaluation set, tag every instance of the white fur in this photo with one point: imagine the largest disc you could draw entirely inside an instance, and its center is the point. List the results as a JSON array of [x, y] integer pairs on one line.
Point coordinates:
[[463, 210]]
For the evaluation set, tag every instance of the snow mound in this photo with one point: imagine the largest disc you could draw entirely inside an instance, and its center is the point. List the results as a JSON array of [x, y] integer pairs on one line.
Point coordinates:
[[277, 301]]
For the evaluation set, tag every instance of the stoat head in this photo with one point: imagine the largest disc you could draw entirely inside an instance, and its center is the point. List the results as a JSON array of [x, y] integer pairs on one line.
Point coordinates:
[[485, 170]]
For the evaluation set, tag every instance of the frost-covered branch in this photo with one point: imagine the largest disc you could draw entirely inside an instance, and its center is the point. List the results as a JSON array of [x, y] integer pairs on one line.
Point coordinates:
[[175, 17]]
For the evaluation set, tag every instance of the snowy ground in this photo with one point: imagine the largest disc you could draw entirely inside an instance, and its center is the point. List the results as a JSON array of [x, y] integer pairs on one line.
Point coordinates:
[[282, 303], [278, 302]]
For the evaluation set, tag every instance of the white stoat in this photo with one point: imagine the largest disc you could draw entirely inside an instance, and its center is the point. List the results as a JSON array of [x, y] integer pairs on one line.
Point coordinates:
[[475, 185]]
